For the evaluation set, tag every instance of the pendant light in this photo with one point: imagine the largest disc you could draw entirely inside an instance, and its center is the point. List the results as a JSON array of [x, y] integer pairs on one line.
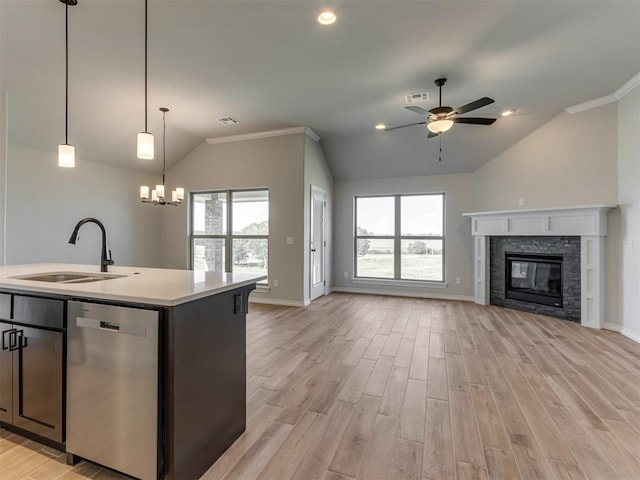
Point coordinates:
[[66, 152], [145, 139], [158, 194]]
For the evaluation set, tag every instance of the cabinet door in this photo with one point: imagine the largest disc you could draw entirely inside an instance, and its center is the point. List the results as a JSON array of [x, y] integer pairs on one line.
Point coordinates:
[[6, 373], [38, 381]]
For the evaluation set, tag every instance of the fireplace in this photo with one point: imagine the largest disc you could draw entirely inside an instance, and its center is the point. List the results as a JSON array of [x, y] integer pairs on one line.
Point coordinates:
[[577, 233], [534, 278]]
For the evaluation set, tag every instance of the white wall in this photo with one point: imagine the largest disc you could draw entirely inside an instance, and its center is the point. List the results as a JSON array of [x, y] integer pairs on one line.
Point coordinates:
[[318, 174], [459, 198], [569, 161], [275, 163], [44, 202], [629, 199]]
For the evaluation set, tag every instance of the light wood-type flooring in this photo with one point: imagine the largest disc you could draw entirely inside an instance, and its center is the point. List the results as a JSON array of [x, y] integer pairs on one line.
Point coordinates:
[[372, 387]]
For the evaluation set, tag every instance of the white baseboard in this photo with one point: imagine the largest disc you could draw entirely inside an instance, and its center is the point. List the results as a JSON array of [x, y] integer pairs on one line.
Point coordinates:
[[435, 296], [635, 336], [277, 301]]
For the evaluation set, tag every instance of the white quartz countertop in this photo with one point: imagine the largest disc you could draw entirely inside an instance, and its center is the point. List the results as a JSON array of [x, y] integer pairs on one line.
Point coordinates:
[[154, 286]]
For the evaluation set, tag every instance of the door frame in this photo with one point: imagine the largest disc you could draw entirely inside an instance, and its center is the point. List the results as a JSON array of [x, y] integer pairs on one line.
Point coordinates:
[[323, 194]]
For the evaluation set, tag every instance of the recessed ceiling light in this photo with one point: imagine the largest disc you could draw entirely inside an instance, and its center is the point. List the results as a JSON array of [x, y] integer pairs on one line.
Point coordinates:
[[381, 126], [507, 113], [326, 18]]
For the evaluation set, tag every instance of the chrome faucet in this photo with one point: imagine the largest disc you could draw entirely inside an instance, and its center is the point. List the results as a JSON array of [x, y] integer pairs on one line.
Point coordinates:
[[104, 261]]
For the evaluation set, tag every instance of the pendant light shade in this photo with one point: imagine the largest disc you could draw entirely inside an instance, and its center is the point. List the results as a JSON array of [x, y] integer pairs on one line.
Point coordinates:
[[66, 156], [66, 152], [145, 139], [145, 146]]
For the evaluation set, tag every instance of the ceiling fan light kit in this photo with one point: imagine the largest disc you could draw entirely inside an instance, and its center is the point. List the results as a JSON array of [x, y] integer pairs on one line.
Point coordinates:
[[441, 118], [440, 125]]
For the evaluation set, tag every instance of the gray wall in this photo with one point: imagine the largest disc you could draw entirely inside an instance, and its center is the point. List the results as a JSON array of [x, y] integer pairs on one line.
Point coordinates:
[[275, 163], [459, 198], [628, 263], [318, 174], [557, 165], [44, 202], [3, 168]]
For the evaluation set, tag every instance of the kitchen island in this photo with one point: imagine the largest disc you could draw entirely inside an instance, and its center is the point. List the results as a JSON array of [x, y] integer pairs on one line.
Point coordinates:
[[198, 338]]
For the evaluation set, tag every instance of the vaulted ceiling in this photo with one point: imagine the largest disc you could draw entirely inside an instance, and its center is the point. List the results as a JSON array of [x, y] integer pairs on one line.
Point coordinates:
[[270, 65]]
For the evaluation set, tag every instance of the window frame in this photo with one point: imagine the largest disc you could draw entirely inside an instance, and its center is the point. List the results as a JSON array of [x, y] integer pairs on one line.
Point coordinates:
[[397, 238], [229, 237]]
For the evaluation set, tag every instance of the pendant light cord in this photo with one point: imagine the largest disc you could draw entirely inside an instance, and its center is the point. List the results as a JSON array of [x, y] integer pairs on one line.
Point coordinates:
[[66, 78], [145, 65], [164, 136]]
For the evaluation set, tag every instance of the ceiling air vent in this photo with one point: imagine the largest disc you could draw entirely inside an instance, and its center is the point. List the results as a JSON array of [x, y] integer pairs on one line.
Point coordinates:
[[416, 98], [228, 121]]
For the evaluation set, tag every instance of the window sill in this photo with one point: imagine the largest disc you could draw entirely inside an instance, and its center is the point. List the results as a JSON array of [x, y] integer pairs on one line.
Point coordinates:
[[399, 283]]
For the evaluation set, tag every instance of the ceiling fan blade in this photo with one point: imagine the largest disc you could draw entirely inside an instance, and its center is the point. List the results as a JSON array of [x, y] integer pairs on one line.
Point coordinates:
[[474, 120], [481, 102], [418, 110], [402, 126]]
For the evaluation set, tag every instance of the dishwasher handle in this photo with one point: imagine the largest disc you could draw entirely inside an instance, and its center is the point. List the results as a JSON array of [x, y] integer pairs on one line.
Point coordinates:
[[126, 328], [109, 326]]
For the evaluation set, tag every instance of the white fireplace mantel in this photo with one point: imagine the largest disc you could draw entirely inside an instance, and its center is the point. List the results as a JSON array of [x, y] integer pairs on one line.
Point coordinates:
[[587, 222]]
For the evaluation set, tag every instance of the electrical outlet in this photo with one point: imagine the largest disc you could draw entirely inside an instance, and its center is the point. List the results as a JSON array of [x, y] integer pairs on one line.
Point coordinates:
[[275, 284], [289, 240], [458, 281], [346, 274], [521, 202]]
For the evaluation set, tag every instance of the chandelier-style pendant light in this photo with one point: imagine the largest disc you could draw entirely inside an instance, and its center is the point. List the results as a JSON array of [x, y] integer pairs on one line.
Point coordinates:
[[66, 152], [145, 139], [157, 194]]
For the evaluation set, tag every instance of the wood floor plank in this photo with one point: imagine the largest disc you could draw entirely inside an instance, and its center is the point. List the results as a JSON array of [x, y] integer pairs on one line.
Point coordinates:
[[456, 375], [501, 464], [419, 363], [437, 379], [379, 376], [393, 397], [391, 345], [356, 437], [413, 413], [438, 460], [407, 461], [436, 345], [467, 471], [378, 456], [466, 441], [327, 435], [492, 431]]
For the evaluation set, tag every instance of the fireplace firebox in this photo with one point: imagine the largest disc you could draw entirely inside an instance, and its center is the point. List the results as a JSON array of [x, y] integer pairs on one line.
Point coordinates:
[[534, 278]]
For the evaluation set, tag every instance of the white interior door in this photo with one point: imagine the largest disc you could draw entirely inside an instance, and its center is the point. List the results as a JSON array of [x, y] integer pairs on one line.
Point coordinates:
[[317, 243]]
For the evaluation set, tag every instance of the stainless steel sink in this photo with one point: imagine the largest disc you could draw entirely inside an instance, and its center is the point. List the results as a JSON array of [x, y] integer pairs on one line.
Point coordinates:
[[68, 277]]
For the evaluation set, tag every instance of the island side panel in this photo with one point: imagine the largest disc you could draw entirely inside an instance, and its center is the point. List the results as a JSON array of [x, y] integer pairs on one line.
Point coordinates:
[[205, 390]]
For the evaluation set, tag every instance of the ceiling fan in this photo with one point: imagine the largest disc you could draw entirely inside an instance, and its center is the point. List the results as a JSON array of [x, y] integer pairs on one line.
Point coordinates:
[[441, 118]]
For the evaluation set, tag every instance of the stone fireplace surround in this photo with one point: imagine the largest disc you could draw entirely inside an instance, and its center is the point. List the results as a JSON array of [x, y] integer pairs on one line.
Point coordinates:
[[567, 247], [587, 222]]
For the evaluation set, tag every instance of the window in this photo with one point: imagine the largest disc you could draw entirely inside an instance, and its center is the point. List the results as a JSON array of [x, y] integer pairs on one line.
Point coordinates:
[[230, 231], [400, 237]]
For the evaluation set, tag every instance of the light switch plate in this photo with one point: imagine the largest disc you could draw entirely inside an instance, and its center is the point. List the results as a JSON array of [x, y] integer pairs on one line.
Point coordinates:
[[289, 240]]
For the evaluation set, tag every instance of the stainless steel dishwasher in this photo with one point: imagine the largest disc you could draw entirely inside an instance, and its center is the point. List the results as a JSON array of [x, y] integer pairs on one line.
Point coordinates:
[[112, 387]]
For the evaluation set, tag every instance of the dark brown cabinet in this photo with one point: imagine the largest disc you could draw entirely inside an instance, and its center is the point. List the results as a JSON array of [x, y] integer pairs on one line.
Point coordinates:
[[31, 366]]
